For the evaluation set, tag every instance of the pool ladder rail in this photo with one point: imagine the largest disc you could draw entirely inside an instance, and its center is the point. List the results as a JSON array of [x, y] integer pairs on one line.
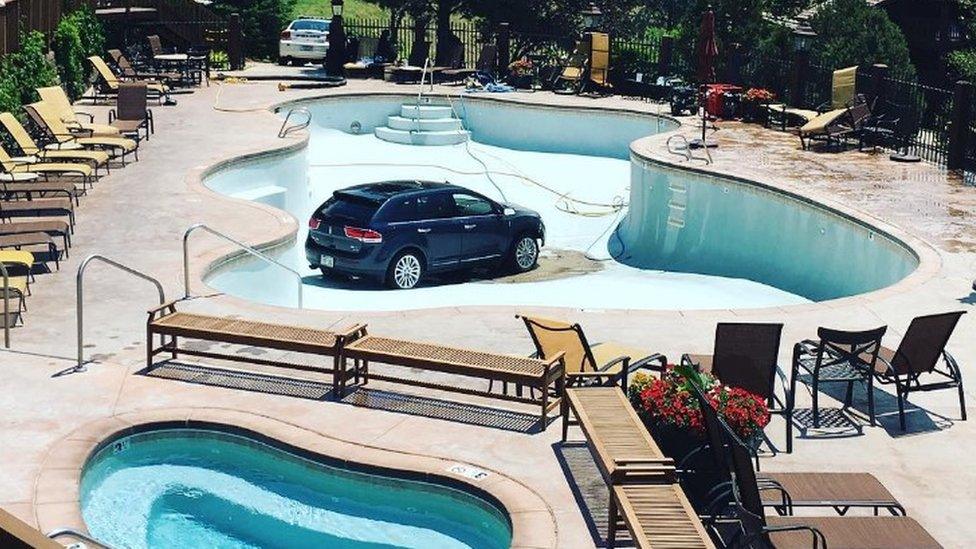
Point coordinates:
[[285, 129], [687, 150]]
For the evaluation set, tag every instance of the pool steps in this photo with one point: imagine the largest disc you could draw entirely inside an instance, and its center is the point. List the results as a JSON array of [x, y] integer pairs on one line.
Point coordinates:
[[424, 125]]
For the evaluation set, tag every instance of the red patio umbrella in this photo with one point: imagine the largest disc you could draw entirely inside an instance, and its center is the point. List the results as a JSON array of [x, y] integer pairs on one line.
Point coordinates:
[[707, 48]]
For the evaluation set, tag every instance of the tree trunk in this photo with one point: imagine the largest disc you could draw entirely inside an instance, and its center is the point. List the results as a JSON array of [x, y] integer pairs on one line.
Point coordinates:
[[444, 10]]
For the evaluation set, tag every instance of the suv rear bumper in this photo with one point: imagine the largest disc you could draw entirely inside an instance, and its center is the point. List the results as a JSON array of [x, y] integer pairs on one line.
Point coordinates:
[[300, 50], [366, 266]]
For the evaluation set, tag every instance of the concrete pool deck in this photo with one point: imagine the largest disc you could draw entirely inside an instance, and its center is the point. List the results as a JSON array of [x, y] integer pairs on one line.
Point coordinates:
[[138, 215]]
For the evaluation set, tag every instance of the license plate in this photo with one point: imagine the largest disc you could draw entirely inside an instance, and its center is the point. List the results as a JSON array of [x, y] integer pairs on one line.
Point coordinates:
[[306, 48], [327, 261]]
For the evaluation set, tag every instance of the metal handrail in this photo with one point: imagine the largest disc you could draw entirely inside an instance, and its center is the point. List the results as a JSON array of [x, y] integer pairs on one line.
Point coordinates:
[[80, 298], [6, 305], [239, 244], [687, 145], [283, 131], [71, 532]]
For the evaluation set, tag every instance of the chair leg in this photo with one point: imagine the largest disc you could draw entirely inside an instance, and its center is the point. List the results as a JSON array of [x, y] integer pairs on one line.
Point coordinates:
[[849, 398], [789, 431], [816, 407], [871, 401], [901, 407], [962, 401], [612, 523]]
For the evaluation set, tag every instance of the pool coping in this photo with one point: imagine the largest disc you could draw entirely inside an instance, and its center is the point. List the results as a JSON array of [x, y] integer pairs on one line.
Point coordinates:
[[56, 495], [643, 149]]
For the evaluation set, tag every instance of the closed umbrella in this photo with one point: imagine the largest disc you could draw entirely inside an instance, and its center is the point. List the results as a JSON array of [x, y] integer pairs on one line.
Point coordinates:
[[707, 48]]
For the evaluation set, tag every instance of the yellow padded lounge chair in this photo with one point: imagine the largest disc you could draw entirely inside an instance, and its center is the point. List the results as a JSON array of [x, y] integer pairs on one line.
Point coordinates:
[[46, 118], [55, 96], [96, 159], [19, 170], [570, 79], [606, 363], [832, 126], [108, 83], [599, 73], [17, 287], [843, 88]]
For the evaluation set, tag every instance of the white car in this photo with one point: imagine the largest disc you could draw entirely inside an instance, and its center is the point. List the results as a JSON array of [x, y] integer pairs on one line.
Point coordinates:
[[305, 39]]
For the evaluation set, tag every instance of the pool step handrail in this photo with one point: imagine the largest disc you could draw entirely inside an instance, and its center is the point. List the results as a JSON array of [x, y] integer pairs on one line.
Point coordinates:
[[80, 297], [286, 129], [264, 257], [6, 305], [423, 77], [687, 150], [76, 534]]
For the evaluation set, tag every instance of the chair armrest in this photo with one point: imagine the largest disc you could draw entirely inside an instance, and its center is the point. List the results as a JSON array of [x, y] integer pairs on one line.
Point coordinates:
[[167, 305], [111, 115], [91, 117], [647, 362], [620, 359], [819, 542]]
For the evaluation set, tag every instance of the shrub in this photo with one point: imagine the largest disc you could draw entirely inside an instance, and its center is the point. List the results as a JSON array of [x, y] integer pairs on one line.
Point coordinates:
[[69, 56], [23, 71], [262, 22], [850, 32]]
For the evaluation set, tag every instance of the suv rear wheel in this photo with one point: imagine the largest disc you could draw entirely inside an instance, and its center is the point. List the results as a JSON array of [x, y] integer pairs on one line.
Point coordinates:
[[525, 253], [405, 271]]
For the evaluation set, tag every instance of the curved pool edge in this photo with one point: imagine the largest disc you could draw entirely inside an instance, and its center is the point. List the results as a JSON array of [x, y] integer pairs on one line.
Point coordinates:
[[56, 497], [649, 149], [653, 150]]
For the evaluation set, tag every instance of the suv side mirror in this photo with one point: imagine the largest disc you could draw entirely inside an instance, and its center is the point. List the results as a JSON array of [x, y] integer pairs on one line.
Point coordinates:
[[508, 211]]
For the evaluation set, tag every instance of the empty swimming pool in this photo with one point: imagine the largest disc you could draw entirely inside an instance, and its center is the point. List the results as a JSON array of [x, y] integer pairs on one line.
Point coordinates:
[[206, 488], [621, 232]]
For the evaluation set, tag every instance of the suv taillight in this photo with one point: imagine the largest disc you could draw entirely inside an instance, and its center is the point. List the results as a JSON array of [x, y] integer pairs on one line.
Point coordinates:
[[286, 35], [313, 223], [363, 235]]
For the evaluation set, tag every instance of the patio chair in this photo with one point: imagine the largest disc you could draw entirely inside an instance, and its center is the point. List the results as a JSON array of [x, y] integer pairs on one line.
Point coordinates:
[[745, 356], [59, 101], [782, 532], [17, 287], [836, 125], [363, 58], [131, 115], [412, 72], [570, 78], [919, 352], [838, 357], [63, 139], [56, 228], [23, 170], [38, 207], [485, 65], [843, 89], [598, 73], [107, 84], [603, 364], [126, 70], [29, 148], [19, 241], [784, 491]]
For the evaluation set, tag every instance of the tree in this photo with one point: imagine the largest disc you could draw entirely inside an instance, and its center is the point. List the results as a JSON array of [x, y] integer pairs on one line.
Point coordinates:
[[962, 63], [850, 32], [261, 21]]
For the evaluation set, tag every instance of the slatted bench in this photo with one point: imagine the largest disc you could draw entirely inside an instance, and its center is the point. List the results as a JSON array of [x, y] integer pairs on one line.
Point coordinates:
[[168, 323], [644, 494], [547, 376]]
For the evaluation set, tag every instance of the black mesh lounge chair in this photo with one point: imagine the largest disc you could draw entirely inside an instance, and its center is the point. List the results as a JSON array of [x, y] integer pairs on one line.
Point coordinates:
[[419, 53], [126, 71], [786, 491], [745, 357], [919, 353], [486, 64], [788, 532], [839, 357], [56, 228]]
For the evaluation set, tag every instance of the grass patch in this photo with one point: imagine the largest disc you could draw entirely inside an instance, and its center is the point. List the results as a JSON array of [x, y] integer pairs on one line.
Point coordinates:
[[354, 9]]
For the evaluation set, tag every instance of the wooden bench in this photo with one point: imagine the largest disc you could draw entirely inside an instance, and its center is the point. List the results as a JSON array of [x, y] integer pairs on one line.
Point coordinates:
[[644, 494], [166, 322], [548, 376]]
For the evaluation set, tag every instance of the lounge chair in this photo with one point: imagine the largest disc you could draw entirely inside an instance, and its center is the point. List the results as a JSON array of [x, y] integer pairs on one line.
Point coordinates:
[[485, 65], [838, 357], [127, 72], [30, 148], [785, 491], [62, 139], [107, 84], [414, 70], [17, 286], [788, 532], [604, 364], [570, 78], [843, 89], [55, 96], [53, 227], [17, 533], [919, 353], [40, 188], [366, 51], [836, 125], [131, 115], [23, 170], [745, 356], [598, 72], [39, 207], [20, 241]]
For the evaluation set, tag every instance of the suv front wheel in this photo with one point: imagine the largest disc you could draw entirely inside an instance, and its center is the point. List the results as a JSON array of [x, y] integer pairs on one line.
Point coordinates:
[[405, 271]]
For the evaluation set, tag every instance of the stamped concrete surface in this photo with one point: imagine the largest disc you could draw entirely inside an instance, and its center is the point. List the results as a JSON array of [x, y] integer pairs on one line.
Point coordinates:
[[138, 215]]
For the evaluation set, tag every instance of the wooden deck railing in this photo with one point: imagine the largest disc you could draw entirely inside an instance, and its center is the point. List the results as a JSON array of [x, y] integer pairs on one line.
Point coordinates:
[[41, 15]]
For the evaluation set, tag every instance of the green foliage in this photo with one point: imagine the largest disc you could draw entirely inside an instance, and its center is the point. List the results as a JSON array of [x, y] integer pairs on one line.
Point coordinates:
[[849, 32], [963, 64], [23, 71], [69, 56], [90, 29], [262, 22]]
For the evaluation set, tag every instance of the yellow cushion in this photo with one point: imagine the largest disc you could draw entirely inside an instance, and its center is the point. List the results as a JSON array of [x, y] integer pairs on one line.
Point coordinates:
[[17, 257], [42, 167], [821, 122], [99, 157], [101, 129], [609, 350], [123, 143], [18, 285]]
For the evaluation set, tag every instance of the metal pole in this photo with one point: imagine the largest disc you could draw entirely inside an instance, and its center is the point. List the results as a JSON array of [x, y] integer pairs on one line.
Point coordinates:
[[80, 298], [239, 244], [6, 305]]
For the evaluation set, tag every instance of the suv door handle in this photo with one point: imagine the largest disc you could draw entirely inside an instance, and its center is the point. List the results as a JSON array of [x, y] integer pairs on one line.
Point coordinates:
[[423, 230], [470, 226]]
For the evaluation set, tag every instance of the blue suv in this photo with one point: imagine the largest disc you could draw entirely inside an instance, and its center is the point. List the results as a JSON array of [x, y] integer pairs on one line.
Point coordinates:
[[398, 232]]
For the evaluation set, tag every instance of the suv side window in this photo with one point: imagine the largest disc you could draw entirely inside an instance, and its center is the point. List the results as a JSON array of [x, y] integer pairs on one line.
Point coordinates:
[[434, 206], [471, 205], [400, 209]]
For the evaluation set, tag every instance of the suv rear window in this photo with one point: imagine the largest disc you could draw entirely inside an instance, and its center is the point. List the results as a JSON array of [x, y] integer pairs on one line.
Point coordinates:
[[349, 208], [306, 24]]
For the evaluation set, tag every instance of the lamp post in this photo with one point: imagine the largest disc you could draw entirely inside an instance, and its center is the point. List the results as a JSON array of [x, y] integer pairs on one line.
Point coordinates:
[[335, 57], [592, 17]]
